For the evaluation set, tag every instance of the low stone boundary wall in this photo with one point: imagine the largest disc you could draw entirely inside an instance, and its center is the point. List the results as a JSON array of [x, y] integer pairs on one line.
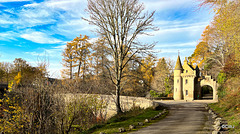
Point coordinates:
[[127, 102], [216, 123]]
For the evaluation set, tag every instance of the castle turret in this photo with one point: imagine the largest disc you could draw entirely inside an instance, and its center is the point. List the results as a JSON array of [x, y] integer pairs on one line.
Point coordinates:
[[178, 92]]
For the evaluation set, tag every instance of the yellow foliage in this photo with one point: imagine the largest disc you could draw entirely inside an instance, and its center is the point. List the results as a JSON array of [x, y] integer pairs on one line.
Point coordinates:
[[13, 116], [146, 68], [17, 80], [76, 54]]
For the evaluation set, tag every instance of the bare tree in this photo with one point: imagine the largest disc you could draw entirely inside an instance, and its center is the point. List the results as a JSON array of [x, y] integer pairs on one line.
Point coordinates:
[[120, 22]]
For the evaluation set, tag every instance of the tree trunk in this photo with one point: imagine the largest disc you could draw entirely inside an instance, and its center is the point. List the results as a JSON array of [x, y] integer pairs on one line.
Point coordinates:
[[79, 67], [118, 105], [71, 70], [84, 69]]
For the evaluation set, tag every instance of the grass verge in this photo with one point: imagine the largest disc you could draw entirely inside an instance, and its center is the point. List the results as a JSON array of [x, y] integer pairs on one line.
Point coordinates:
[[232, 115], [125, 119]]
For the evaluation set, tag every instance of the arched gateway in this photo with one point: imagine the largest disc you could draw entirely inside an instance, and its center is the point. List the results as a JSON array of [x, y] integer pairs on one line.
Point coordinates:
[[188, 82], [209, 81]]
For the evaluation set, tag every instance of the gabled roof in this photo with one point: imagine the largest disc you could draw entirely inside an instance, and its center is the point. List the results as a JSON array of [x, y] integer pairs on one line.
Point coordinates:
[[178, 64], [186, 64]]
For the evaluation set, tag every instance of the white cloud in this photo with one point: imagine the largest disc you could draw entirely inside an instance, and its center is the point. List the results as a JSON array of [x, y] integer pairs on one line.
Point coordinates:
[[161, 5], [181, 28], [54, 52], [2, 1], [5, 20], [174, 33], [9, 35], [67, 4], [27, 17], [32, 5], [40, 37], [64, 15], [187, 44], [35, 17], [55, 70], [54, 56], [60, 47]]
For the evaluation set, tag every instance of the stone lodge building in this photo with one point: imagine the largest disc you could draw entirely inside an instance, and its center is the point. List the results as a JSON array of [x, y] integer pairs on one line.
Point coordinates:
[[188, 82]]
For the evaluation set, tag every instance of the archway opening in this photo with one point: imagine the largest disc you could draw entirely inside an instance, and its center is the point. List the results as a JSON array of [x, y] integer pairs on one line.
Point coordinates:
[[207, 92]]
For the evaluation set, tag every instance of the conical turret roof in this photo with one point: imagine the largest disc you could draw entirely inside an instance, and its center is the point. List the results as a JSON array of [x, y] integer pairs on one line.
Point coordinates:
[[178, 64]]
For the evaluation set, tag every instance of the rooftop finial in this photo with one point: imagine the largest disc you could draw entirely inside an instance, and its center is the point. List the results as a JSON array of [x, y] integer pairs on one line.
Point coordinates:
[[178, 53]]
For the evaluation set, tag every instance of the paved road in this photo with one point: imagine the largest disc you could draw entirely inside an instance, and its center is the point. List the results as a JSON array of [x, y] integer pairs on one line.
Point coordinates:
[[184, 118]]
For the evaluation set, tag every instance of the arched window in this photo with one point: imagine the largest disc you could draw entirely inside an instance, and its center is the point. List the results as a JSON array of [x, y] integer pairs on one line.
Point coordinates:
[[186, 81], [186, 92]]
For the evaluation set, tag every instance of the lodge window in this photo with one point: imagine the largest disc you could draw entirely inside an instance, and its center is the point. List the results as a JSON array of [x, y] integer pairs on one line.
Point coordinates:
[[186, 92], [186, 81]]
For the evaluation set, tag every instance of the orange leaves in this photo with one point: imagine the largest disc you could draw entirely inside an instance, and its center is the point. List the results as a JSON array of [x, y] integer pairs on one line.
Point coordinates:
[[221, 40], [76, 54], [200, 53]]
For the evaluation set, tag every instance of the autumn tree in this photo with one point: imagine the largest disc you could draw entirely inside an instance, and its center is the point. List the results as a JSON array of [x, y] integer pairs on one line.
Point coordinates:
[[28, 72], [140, 74], [100, 57], [6, 71], [20, 64], [134, 84], [120, 22], [68, 61], [146, 69], [81, 55], [163, 80], [202, 51], [225, 61], [223, 35], [77, 55]]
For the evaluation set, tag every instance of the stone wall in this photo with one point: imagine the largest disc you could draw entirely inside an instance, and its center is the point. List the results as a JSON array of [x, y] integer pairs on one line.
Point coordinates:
[[127, 102]]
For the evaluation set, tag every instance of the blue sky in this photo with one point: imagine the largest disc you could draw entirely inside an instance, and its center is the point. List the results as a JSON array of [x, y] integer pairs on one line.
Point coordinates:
[[34, 29]]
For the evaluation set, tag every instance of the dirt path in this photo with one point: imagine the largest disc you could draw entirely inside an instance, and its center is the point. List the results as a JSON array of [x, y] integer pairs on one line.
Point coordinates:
[[184, 118]]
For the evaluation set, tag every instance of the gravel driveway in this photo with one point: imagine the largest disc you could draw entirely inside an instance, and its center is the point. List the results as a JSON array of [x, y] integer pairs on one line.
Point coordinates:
[[184, 118]]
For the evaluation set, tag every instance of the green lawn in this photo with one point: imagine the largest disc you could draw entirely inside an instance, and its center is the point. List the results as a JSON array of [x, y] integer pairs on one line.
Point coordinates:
[[126, 119]]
